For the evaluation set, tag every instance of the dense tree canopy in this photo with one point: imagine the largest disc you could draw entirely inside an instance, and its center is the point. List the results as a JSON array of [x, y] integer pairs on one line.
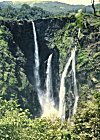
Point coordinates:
[[25, 12]]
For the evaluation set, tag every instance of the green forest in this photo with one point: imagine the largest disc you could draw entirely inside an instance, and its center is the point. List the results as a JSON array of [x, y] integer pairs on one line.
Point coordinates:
[[20, 111]]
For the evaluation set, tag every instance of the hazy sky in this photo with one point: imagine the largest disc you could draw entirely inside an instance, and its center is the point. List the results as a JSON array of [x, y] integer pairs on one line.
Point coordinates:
[[85, 2]]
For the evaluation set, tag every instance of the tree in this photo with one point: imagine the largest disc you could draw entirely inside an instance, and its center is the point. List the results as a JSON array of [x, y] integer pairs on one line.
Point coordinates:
[[92, 1], [25, 7]]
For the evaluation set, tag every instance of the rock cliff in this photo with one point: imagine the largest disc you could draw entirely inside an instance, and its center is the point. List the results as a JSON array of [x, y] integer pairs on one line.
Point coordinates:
[[21, 45]]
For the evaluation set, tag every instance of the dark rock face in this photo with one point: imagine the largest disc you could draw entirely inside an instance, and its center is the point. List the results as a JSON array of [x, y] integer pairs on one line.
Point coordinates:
[[23, 40]]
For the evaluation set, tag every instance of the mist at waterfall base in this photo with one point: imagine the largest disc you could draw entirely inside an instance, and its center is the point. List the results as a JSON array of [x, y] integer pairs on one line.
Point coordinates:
[[49, 104], [46, 97]]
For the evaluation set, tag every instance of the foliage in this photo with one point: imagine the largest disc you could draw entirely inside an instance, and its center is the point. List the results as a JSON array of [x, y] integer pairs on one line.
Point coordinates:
[[85, 124], [49, 129], [15, 124], [87, 120], [25, 12], [79, 18], [65, 38], [13, 80], [13, 120], [33, 11], [7, 66], [63, 41]]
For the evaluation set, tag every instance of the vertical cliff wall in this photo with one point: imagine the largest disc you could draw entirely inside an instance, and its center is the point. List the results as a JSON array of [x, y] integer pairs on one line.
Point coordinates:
[[21, 45]]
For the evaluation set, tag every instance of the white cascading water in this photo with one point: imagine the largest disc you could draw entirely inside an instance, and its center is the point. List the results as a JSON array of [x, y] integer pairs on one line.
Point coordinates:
[[49, 90], [75, 83], [36, 68], [62, 92], [49, 110], [46, 100], [79, 31]]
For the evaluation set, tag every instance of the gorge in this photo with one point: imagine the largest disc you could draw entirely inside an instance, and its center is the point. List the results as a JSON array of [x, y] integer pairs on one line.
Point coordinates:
[[50, 68], [23, 38], [47, 100]]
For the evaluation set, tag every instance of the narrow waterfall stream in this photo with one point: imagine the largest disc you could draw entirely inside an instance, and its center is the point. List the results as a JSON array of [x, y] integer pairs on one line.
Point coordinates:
[[62, 92], [36, 68], [75, 84], [62, 102], [49, 90], [49, 105]]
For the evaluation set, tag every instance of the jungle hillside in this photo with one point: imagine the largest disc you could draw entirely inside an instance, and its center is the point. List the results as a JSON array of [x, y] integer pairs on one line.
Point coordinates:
[[59, 28]]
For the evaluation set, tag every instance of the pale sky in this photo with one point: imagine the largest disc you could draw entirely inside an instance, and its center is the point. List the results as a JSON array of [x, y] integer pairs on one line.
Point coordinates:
[[84, 2]]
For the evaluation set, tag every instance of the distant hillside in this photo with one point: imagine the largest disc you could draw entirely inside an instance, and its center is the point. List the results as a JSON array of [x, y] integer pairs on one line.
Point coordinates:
[[57, 7], [5, 4], [52, 7]]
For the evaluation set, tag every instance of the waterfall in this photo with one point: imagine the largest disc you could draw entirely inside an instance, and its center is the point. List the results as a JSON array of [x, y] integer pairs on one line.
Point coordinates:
[[75, 84], [36, 68], [62, 102], [49, 110], [79, 31], [62, 92], [49, 90], [46, 100]]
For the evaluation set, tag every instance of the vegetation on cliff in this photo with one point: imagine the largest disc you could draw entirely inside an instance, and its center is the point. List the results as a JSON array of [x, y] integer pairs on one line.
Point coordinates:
[[25, 12], [31, 10], [16, 122]]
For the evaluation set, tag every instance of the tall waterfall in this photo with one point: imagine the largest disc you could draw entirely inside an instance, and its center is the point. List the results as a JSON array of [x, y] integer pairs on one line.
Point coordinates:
[[49, 90], [62, 92], [49, 109], [46, 100], [75, 84], [36, 68]]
